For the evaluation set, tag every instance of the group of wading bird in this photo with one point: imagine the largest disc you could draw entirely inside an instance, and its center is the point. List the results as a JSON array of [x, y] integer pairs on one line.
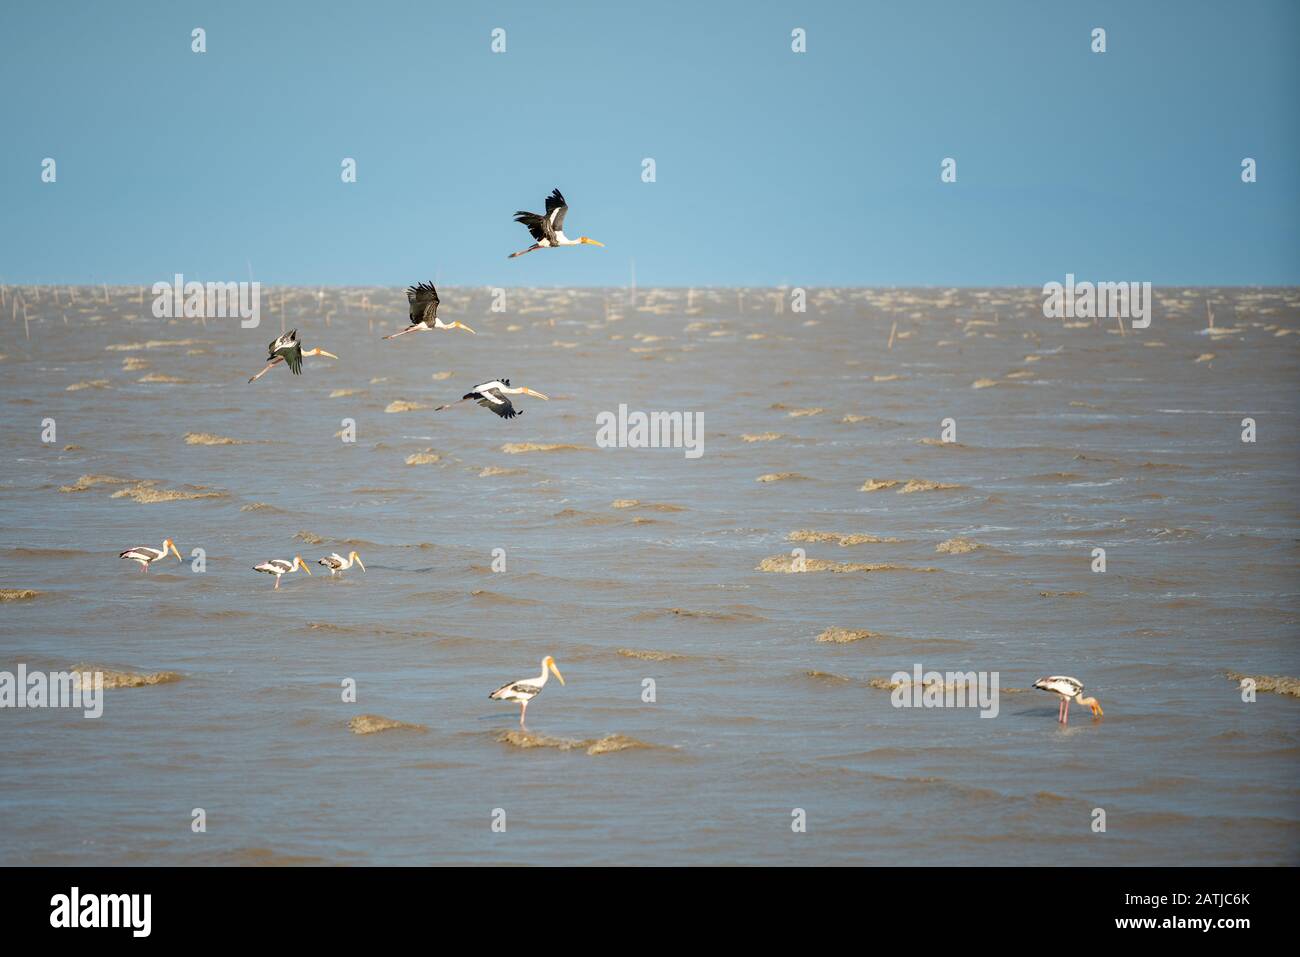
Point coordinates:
[[548, 233]]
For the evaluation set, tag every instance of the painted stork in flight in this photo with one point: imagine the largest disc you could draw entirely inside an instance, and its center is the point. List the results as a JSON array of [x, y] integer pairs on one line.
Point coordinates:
[[278, 567], [526, 689], [494, 395], [424, 300], [548, 230], [288, 349], [146, 556], [1069, 689], [337, 563]]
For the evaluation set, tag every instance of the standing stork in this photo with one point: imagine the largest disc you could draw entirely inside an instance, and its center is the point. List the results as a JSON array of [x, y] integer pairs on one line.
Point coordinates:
[[146, 556], [492, 395], [279, 567], [423, 300], [1069, 689], [526, 689], [288, 349], [548, 230], [337, 563]]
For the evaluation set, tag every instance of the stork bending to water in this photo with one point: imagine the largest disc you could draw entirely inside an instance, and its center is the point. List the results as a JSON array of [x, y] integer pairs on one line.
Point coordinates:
[[1069, 689]]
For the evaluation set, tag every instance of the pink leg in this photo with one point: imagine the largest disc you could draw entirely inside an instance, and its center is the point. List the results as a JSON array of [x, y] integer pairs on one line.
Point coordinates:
[[410, 328], [523, 709], [522, 251], [269, 366], [1067, 711], [277, 583]]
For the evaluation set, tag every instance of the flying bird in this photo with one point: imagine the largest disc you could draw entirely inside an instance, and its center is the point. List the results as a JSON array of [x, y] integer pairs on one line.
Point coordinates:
[[337, 563], [526, 689], [424, 300], [548, 230], [493, 395], [278, 567], [1069, 689], [288, 349], [146, 556]]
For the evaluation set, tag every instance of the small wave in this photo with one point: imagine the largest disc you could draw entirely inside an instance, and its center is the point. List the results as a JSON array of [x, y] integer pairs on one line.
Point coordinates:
[[516, 448], [207, 438], [87, 482], [491, 470], [402, 405], [650, 655], [842, 636], [126, 679], [787, 564], [782, 477], [761, 437], [374, 723], [844, 539], [649, 506], [957, 546], [1277, 684], [593, 746], [18, 594], [148, 493], [708, 615], [89, 384], [427, 457]]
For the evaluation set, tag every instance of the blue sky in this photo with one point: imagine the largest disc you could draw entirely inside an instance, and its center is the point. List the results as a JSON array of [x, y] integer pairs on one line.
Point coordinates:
[[773, 167]]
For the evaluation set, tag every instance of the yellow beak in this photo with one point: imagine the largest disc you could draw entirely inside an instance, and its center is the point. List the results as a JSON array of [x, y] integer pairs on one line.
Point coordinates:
[[302, 564], [461, 325], [536, 395], [359, 561], [176, 553], [556, 671], [592, 242]]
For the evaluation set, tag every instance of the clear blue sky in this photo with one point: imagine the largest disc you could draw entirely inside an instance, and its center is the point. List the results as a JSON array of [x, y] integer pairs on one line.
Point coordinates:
[[773, 167]]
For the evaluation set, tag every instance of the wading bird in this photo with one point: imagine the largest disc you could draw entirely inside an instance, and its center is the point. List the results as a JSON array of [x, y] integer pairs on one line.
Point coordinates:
[[337, 563], [424, 301], [1069, 689], [526, 689], [146, 556], [492, 395], [278, 567], [548, 230], [288, 349]]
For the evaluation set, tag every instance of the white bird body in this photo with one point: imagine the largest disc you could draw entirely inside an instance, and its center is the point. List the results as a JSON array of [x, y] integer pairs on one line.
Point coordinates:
[[337, 563], [526, 689], [279, 567], [146, 556], [1068, 689]]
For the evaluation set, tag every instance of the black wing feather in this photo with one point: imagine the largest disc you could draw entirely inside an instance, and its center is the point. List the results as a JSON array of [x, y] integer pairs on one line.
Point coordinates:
[[424, 301], [536, 225], [556, 202]]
